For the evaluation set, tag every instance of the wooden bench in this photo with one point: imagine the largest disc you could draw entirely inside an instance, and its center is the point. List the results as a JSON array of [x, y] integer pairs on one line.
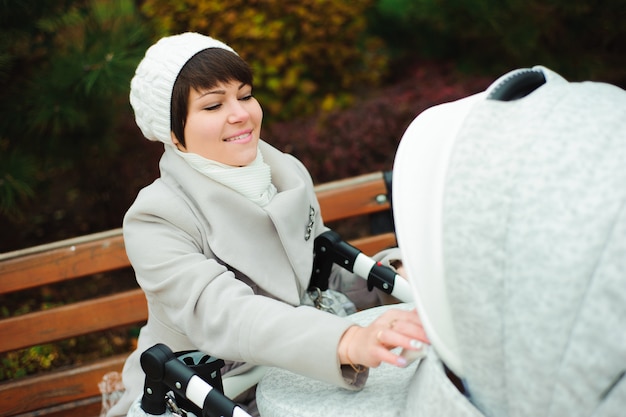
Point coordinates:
[[73, 390]]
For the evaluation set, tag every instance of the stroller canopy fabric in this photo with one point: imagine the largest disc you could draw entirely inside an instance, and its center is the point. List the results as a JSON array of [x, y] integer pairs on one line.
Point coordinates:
[[511, 216]]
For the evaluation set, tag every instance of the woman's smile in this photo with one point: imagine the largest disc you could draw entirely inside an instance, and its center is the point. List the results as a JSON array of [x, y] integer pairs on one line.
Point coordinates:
[[244, 137]]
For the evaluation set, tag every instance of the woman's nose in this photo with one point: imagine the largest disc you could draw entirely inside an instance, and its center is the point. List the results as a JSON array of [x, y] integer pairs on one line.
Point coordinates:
[[238, 113]]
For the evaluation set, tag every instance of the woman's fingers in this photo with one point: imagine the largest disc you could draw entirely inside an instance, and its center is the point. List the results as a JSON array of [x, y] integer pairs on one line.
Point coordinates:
[[398, 328], [387, 356], [376, 343], [401, 323], [401, 358], [391, 338]]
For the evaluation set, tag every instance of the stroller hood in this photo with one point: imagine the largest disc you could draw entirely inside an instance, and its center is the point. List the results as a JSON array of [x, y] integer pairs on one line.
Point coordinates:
[[511, 217]]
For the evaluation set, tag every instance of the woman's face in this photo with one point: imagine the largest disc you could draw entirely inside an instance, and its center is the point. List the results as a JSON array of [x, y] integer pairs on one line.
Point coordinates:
[[223, 124]]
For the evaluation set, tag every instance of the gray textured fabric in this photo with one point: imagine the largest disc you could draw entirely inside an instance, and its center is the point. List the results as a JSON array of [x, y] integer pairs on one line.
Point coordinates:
[[534, 235], [433, 394], [282, 393]]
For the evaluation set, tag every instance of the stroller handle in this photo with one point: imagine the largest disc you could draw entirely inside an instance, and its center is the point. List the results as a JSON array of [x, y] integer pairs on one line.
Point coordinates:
[[164, 371], [331, 248]]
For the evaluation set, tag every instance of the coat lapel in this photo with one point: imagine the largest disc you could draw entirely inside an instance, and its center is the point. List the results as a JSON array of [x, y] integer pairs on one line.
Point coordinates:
[[267, 244], [294, 211]]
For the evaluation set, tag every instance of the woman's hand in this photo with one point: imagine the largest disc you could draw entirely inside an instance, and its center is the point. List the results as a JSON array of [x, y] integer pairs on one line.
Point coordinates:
[[372, 345], [399, 267], [401, 271]]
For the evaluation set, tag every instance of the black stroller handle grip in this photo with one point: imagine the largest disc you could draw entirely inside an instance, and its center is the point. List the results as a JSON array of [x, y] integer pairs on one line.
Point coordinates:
[[164, 371], [330, 248]]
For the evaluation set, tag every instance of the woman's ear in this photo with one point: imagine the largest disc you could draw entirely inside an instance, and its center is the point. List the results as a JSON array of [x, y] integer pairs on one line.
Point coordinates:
[[177, 143]]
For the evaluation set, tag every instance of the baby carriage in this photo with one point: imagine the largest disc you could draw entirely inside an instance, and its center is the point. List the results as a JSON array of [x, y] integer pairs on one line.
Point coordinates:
[[510, 211]]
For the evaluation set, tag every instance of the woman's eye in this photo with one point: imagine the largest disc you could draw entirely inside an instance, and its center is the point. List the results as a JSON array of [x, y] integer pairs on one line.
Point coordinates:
[[246, 97], [213, 107]]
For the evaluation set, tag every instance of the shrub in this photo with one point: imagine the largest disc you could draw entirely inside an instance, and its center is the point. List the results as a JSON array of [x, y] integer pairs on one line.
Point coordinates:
[[577, 38], [66, 68], [67, 92], [306, 54], [364, 138], [27, 361]]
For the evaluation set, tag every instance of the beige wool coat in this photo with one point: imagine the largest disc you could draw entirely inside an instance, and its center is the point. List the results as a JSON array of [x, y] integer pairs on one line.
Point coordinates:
[[225, 276]]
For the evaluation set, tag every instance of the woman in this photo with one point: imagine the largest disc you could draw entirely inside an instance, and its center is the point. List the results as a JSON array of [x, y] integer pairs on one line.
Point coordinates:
[[222, 242]]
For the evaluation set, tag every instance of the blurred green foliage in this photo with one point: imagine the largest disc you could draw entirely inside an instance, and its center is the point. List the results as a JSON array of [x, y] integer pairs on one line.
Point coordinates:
[[65, 71], [580, 39], [65, 68], [17, 176], [27, 361], [306, 55]]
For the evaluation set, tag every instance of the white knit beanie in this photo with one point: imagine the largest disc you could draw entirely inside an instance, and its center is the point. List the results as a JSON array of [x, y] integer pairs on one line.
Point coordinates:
[[151, 87]]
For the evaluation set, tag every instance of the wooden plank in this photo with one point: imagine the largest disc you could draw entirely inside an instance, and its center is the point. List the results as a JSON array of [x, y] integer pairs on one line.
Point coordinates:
[[371, 245], [73, 258], [57, 389], [88, 407], [47, 247], [73, 319], [352, 197]]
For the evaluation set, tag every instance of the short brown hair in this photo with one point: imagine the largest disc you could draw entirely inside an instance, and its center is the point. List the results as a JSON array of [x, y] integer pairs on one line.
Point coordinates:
[[204, 70]]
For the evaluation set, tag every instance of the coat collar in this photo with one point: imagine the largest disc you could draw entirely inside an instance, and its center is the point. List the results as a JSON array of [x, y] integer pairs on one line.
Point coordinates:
[[267, 244]]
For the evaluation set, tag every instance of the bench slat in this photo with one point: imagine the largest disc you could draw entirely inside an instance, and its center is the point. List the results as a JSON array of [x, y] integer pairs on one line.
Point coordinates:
[[371, 245], [64, 386], [73, 320], [72, 260], [88, 407], [357, 196]]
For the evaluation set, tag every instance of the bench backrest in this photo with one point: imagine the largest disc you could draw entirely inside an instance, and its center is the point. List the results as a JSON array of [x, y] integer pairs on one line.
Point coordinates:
[[74, 391]]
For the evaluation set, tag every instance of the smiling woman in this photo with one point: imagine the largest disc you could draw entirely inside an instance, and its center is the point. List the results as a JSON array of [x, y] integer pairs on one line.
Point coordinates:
[[222, 243], [223, 124]]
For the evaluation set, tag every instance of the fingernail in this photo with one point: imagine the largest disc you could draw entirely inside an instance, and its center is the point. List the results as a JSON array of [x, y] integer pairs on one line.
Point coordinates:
[[416, 344], [401, 362]]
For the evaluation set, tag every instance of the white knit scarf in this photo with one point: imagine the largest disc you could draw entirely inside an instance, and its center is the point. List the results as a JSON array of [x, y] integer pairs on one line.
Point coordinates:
[[253, 181]]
